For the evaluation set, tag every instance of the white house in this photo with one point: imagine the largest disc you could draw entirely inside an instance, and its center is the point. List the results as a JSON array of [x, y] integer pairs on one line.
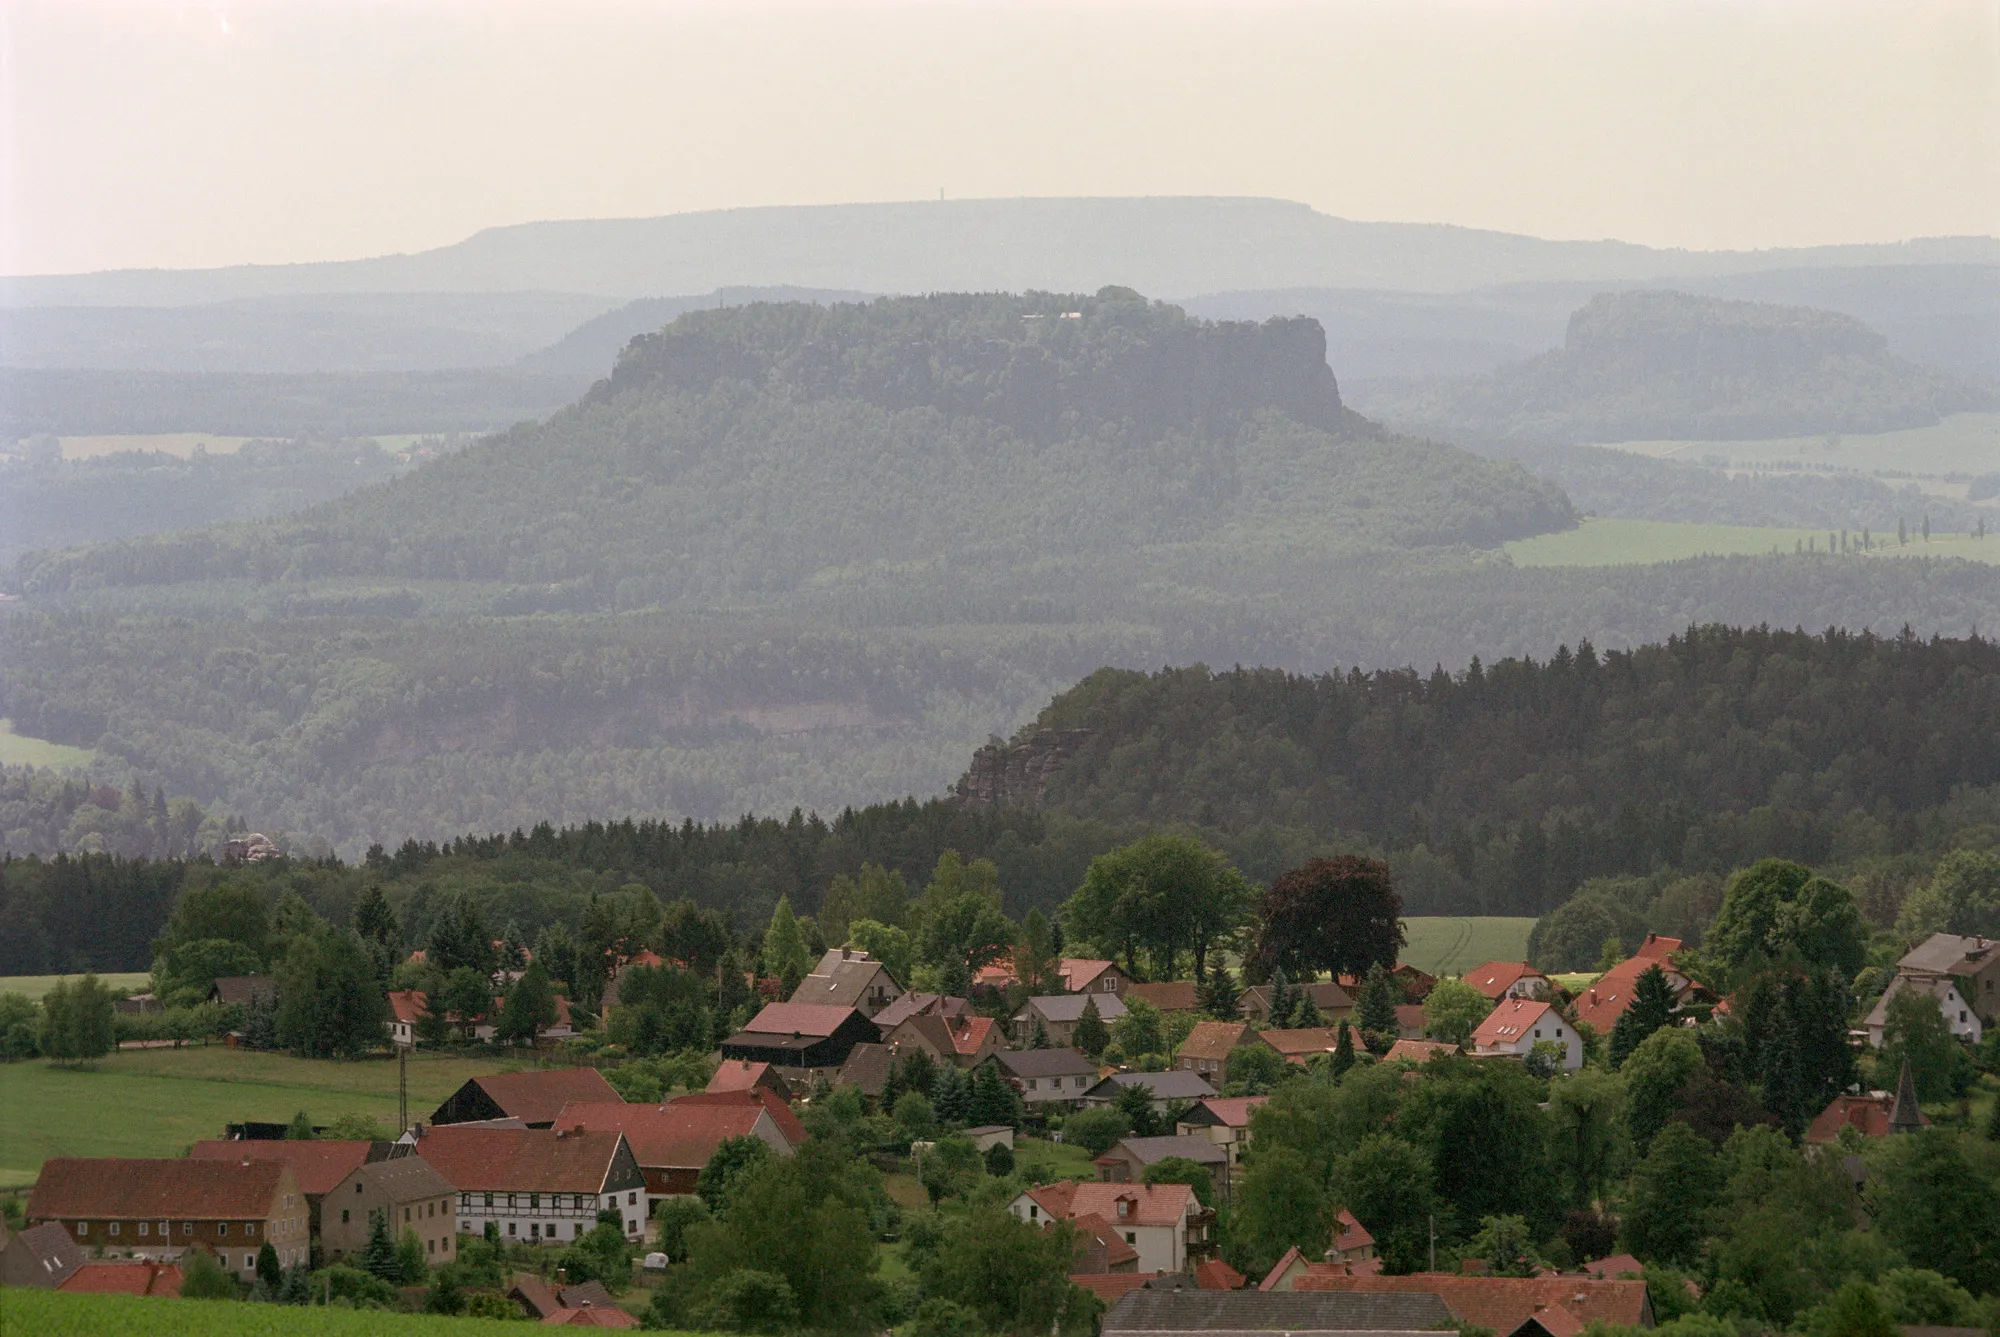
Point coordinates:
[[1958, 1013], [1517, 1025], [1161, 1221], [538, 1185]]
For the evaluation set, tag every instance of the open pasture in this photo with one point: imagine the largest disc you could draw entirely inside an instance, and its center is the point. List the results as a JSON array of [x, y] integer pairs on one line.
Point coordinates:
[[1450, 944]]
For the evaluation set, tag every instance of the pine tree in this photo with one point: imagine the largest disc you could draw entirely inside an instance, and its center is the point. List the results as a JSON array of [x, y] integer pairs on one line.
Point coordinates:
[[300, 1129], [1651, 1008], [993, 1098], [1091, 1034], [269, 1275], [1219, 994], [529, 1008], [952, 1098], [1040, 1039], [1380, 996], [1343, 1050], [1305, 1013], [378, 1258], [1280, 1010], [374, 919], [920, 1072], [785, 953]]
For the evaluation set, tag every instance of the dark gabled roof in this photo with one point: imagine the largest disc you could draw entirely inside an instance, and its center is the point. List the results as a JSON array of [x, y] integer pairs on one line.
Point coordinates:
[[1150, 1150], [405, 1179], [1175, 1084], [54, 1255], [1173, 1304], [1056, 1062], [243, 989], [537, 1096]]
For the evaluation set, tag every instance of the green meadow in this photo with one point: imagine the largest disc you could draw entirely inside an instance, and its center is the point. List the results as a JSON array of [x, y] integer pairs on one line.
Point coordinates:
[[1450, 944], [34, 986], [54, 1314], [1598, 542], [1963, 443], [157, 1102], [21, 750]]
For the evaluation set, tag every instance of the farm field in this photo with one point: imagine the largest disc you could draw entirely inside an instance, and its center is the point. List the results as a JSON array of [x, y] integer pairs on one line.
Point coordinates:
[[34, 986], [21, 750], [54, 1314], [1600, 542], [155, 1102], [182, 444], [1448, 944], [1963, 443]]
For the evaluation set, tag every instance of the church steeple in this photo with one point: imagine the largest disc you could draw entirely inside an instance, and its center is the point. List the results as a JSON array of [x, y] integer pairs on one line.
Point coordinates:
[[1904, 1115]]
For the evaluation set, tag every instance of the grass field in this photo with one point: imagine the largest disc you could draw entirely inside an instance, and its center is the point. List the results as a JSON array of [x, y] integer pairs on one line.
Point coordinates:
[[155, 1102], [1448, 944], [36, 985], [1050, 1161], [21, 750], [1964, 443], [1598, 542], [54, 1314]]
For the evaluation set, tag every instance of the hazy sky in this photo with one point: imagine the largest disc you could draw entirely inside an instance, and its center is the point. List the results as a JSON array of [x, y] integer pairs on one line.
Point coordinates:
[[204, 134]]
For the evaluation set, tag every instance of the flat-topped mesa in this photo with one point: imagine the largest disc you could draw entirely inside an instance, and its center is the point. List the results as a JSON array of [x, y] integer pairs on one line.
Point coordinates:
[[1039, 363], [1017, 775]]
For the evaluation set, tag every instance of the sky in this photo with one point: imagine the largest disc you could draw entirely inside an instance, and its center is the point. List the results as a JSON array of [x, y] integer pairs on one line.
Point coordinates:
[[151, 133]]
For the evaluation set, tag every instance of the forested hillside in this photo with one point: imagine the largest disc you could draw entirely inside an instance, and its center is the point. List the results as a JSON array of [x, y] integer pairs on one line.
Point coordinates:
[[1667, 365], [749, 451], [1520, 778]]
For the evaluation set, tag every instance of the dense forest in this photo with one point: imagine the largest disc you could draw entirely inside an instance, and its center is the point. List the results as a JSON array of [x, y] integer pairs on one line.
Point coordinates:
[[1499, 790], [1670, 366], [50, 502]]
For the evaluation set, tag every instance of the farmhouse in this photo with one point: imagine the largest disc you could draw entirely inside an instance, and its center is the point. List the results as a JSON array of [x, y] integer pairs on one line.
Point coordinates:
[[1565, 1304], [1177, 1304], [538, 1185], [1165, 1087], [671, 1143], [1164, 1222], [847, 977], [801, 1035], [1167, 996], [743, 1075], [1047, 1076], [408, 1193], [1975, 960], [159, 1208], [535, 1098], [1417, 1051], [963, 1040], [1333, 1001], [1300, 1045], [1509, 979], [1517, 1025], [1958, 1014], [1206, 1050], [1059, 1013], [916, 1004], [319, 1163], [1127, 1160], [1223, 1120], [243, 990], [1604, 1001]]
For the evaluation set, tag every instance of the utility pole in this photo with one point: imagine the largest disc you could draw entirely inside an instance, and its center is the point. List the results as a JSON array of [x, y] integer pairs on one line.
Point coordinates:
[[1434, 1241], [402, 1089]]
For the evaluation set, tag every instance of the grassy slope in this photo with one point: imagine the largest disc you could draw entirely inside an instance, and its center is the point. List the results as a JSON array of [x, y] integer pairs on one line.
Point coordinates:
[[1448, 944], [1598, 542], [19, 750], [156, 1102], [1960, 443], [34, 986], [1050, 1161], [52, 1314]]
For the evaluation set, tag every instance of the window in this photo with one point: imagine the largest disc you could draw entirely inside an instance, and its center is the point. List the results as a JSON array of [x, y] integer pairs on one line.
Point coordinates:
[[1131, 1237], [632, 1199], [1034, 1212], [357, 1188], [1031, 1083], [430, 1246], [534, 1202], [82, 1228], [1110, 985], [250, 1229], [145, 1229], [510, 1227], [406, 1216], [343, 1216], [187, 1227], [487, 1196], [114, 1227], [222, 1228]]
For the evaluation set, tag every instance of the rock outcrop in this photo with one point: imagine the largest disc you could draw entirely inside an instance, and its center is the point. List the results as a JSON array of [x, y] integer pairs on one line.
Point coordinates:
[[1017, 775]]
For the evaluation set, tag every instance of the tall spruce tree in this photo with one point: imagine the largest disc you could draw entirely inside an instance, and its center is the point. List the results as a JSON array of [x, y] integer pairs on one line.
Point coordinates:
[[1091, 1034], [1379, 998], [1652, 1007]]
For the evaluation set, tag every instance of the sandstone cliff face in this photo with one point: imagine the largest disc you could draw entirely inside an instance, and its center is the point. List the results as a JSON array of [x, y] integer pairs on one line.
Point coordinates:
[[1017, 775]]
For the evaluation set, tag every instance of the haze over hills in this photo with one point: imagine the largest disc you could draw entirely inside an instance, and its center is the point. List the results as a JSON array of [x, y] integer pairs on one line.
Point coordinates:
[[1162, 245]]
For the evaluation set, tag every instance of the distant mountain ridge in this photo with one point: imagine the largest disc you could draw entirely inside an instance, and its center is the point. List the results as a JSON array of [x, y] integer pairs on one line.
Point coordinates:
[[1651, 365], [1174, 245]]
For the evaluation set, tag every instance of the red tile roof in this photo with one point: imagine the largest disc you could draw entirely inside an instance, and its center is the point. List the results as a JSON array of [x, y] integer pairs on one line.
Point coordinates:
[[590, 1316], [519, 1160], [408, 1005], [1614, 1266], [1168, 996], [1216, 1275], [671, 1137], [1417, 1051], [1296, 1045], [1866, 1114], [781, 1113], [1110, 1287], [1116, 1250], [1508, 1023], [1353, 1235], [1232, 1111], [1292, 1258], [737, 1075], [538, 1096], [1496, 977], [122, 1278], [112, 1188], [1657, 948], [1079, 973], [1214, 1039], [1500, 1303], [319, 1164], [1149, 1204], [968, 1034], [1605, 999], [815, 1019]]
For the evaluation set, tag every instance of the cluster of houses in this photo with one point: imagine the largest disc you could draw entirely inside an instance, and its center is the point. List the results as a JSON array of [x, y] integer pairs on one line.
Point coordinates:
[[538, 1157]]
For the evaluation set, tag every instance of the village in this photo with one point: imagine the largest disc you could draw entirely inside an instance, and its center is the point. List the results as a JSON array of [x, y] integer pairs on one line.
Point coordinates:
[[1120, 1120]]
